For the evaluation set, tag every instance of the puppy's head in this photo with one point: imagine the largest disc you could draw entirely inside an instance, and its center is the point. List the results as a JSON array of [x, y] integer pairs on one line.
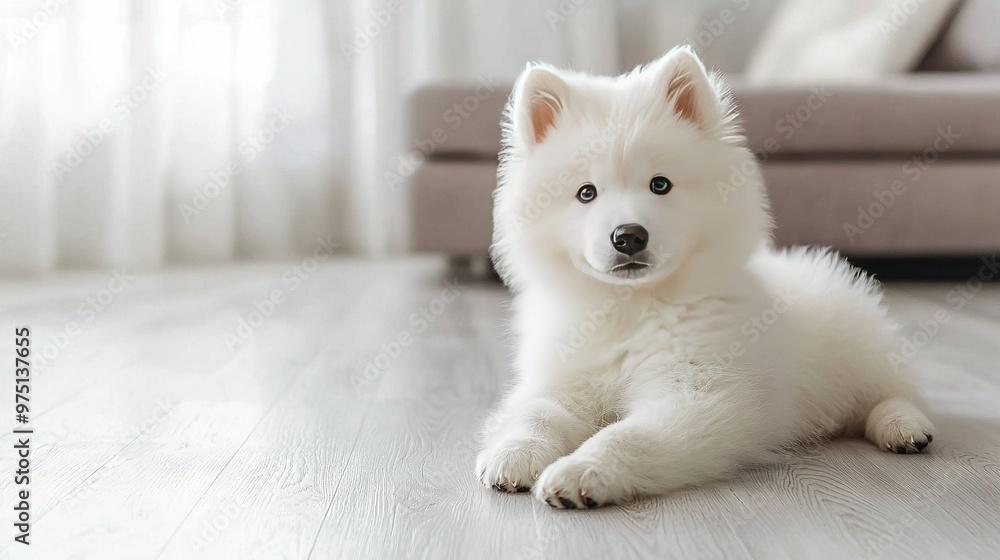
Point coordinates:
[[625, 180]]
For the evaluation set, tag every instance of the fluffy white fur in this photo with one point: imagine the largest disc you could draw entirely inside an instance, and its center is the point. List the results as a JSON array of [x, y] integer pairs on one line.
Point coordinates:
[[722, 352]]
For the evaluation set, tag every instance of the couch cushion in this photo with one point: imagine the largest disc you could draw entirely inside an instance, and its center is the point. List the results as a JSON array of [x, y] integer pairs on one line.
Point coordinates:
[[899, 115], [854, 41], [971, 42], [885, 207]]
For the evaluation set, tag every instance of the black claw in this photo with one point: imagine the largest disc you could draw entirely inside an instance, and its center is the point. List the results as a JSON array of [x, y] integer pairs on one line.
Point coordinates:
[[930, 438], [920, 445], [567, 503], [900, 449], [549, 501], [589, 502], [523, 489]]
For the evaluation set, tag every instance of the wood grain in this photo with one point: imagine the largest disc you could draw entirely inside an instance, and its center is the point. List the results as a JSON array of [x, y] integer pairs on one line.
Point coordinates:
[[325, 436]]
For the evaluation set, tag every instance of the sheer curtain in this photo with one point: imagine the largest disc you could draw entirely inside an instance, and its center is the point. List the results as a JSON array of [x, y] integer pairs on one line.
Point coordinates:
[[146, 133]]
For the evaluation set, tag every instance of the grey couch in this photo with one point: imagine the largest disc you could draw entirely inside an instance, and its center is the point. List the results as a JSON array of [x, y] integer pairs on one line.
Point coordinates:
[[907, 166]]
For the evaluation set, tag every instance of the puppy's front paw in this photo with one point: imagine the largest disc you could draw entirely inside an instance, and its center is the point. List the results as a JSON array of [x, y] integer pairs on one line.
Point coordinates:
[[579, 482], [898, 426], [513, 466], [903, 435]]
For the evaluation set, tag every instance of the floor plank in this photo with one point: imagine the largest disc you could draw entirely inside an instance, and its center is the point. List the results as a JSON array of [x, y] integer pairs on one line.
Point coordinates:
[[345, 427]]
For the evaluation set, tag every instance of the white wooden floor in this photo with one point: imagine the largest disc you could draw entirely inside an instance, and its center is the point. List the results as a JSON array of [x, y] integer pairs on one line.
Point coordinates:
[[155, 439]]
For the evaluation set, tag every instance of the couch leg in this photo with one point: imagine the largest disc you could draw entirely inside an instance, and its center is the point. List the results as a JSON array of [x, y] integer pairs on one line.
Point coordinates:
[[459, 263], [472, 267]]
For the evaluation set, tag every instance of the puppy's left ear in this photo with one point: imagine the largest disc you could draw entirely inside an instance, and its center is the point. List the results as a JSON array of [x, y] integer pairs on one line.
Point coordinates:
[[681, 79]]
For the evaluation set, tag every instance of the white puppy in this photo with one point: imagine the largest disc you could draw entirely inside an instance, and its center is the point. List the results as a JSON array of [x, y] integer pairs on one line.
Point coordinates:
[[662, 341]]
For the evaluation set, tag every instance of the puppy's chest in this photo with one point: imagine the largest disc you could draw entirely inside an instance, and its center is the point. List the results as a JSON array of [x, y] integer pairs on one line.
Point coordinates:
[[653, 332]]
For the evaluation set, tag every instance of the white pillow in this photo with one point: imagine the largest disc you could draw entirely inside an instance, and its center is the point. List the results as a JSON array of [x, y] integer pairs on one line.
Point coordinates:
[[810, 41]]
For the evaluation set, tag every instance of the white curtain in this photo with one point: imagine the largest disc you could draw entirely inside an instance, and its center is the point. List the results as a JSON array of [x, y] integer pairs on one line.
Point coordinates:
[[145, 133]]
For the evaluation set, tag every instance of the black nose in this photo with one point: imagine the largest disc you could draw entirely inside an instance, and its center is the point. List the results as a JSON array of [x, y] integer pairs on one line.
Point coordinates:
[[629, 238]]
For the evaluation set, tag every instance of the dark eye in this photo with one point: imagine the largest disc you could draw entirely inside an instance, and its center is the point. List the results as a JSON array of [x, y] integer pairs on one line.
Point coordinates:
[[586, 193], [660, 185]]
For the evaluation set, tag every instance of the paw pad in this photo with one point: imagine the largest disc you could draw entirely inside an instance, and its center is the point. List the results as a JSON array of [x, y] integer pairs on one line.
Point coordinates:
[[567, 503]]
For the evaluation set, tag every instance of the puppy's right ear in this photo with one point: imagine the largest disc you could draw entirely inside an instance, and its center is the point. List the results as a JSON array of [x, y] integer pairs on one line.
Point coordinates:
[[539, 101]]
